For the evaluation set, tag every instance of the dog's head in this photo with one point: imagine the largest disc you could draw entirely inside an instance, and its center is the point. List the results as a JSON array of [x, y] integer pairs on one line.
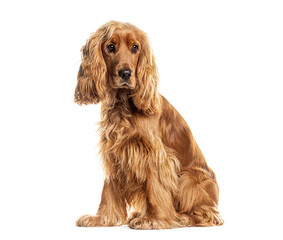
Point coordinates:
[[118, 56]]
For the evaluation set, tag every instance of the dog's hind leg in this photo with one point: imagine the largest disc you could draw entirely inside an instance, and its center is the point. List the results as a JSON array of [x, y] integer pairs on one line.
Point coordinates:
[[198, 196]]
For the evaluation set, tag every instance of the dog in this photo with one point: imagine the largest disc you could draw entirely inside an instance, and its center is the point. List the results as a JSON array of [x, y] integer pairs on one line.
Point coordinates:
[[156, 174]]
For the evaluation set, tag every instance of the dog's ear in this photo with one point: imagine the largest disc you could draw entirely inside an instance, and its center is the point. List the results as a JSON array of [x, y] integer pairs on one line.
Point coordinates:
[[91, 80], [147, 97]]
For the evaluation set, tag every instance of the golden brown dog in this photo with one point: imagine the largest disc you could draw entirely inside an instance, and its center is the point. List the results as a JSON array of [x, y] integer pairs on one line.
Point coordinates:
[[156, 175]]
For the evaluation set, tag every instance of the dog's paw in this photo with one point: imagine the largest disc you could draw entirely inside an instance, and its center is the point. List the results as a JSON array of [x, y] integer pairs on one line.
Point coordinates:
[[148, 223], [88, 221], [132, 216]]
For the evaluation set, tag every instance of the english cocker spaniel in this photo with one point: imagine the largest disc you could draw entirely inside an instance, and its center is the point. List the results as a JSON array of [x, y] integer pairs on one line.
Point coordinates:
[[156, 175]]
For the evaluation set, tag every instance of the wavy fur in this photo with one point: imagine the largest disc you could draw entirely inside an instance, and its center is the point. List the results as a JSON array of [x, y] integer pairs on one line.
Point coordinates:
[[156, 175]]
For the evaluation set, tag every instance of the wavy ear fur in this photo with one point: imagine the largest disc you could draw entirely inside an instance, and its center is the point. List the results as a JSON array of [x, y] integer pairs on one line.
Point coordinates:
[[147, 97], [92, 72]]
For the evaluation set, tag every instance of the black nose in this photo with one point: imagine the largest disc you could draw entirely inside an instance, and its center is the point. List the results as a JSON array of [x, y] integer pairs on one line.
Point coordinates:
[[125, 73]]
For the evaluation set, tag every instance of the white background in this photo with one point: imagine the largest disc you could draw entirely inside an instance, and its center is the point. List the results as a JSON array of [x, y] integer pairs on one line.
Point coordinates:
[[220, 64]]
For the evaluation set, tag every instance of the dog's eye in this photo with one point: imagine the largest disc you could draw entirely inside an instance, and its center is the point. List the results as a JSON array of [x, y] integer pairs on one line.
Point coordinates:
[[135, 48], [111, 48]]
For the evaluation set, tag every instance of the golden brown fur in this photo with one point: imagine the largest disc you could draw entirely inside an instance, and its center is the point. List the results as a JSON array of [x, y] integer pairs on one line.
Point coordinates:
[[156, 175]]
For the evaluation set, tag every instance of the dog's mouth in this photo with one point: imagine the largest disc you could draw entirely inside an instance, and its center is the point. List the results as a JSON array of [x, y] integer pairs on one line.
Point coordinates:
[[124, 84]]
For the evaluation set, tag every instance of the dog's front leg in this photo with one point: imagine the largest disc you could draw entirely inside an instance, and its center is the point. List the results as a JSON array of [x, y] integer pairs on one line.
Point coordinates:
[[160, 212], [112, 209], [161, 187]]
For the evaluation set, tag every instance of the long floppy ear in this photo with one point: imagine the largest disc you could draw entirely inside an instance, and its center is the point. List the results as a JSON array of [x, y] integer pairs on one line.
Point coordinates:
[[92, 72], [147, 97]]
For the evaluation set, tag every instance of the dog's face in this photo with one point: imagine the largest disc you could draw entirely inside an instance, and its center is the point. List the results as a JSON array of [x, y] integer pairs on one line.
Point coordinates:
[[118, 56], [121, 53]]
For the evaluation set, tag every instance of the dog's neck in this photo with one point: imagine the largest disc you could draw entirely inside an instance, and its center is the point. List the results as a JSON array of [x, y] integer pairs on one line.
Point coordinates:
[[119, 104]]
